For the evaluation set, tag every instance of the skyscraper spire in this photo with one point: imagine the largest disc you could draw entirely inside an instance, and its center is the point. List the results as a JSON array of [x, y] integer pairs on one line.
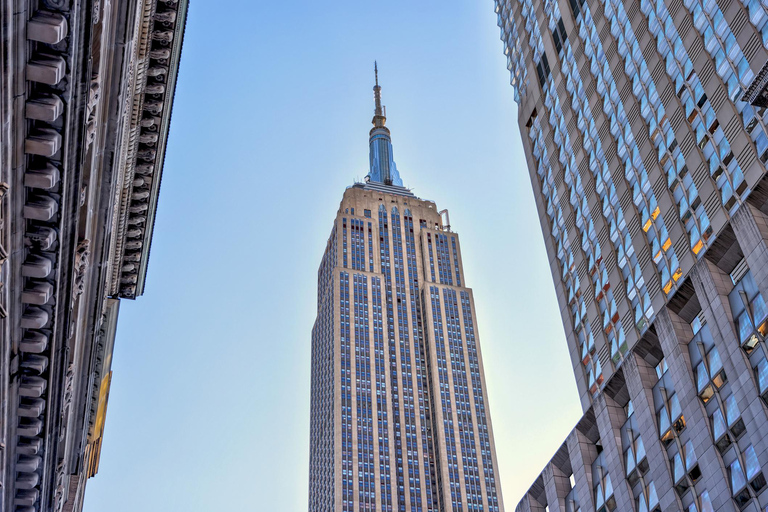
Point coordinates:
[[382, 165], [379, 115]]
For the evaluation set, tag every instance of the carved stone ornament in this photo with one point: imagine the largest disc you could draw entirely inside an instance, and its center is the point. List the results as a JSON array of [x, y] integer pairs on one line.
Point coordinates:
[[96, 12], [82, 260], [59, 5], [58, 498], [67, 400], [90, 111]]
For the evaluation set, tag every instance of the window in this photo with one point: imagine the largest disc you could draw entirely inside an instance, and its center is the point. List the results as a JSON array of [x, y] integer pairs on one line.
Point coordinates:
[[720, 431], [367, 213], [542, 68], [671, 420], [750, 313], [635, 460], [576, 6], [559, 35], [603, 488], [685, 469], [738, 484], [709, 373], [706, 502], [761, 375], [733, 415], [746, 477], [648, 501]]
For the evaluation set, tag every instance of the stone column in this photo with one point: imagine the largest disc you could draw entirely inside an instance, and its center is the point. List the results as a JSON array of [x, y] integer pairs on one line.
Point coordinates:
[[640, 378], [557, 487], [529, 504], [610, 417], [674, 334], [582, 453]]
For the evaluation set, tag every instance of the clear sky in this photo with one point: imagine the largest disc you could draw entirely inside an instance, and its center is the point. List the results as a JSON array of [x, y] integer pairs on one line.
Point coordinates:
[[209, 405]]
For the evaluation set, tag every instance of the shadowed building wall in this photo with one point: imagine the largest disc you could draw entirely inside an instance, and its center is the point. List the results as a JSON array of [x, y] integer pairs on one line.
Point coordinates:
[[86, 92]]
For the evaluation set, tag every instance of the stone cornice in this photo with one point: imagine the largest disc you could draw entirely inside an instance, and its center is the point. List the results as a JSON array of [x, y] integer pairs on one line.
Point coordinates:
[[154, 68]]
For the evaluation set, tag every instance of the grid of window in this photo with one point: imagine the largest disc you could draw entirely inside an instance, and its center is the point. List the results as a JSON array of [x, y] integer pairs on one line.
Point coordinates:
[[443, 259], [731, 65], [363, 399], [431, 256], [456, 261], [449, 428], [382, 406], [714, 147], [321, 457], [627, 149], [357, 242], [603, 487], [670, 158], [486, 452], [379, 353], [463, 407], [613, 213], [384, 250], [627, 261], [420, 356], [750, 314], [345, 385], [370, 244], [344, 240], [632, 95], [411, 454], [570, 275]]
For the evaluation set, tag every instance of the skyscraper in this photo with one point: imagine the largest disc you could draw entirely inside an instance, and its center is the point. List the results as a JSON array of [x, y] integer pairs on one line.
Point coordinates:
[[644, 128], [399, 414]]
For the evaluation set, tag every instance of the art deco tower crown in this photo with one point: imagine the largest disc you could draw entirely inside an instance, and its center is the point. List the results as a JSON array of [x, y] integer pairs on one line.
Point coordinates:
[[383, 168]]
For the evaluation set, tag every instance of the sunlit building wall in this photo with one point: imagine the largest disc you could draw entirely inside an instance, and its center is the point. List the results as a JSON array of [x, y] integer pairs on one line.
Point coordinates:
[[645, 133], [399, 410]]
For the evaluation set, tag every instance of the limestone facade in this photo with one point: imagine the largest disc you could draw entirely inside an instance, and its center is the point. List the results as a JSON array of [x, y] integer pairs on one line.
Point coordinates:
[[85, 102]]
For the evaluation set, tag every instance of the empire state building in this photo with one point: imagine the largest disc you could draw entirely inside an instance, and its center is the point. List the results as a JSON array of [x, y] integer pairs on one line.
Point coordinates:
[[399, 407]]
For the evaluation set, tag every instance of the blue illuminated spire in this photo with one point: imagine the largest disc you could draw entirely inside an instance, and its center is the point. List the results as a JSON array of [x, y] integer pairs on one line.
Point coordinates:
[[383, 168]]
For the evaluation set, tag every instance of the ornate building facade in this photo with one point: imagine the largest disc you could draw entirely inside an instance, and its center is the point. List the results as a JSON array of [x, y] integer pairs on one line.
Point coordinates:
[[646, 138], [85, 102], [399, 414]]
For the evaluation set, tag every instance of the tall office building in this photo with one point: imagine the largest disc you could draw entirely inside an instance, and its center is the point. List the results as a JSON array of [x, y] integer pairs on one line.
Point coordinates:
[[399, 418], [644, 128]]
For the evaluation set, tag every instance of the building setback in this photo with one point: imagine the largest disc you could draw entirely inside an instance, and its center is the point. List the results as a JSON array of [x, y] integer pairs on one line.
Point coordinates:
[[399, 414], [644, 128], [85, 103]]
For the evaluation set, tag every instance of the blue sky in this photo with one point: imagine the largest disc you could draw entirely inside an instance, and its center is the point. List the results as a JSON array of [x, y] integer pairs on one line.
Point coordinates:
[[209, 405]]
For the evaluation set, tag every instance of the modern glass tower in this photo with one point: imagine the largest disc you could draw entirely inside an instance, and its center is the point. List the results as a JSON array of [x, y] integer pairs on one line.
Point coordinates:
[[399, 414], [645, 132]]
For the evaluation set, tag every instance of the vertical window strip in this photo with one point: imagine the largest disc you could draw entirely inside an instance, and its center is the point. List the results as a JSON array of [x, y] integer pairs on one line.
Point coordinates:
[[480, 410], [472, 487], [363, 398], [445, 401]]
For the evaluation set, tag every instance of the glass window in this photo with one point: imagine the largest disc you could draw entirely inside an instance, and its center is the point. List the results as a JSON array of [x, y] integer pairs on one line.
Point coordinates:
[[738, 484], [762, 378], [706, 503], [754, 474]]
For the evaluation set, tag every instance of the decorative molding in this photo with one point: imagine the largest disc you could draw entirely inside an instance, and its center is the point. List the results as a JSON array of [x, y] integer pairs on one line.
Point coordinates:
[[147, 126]]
